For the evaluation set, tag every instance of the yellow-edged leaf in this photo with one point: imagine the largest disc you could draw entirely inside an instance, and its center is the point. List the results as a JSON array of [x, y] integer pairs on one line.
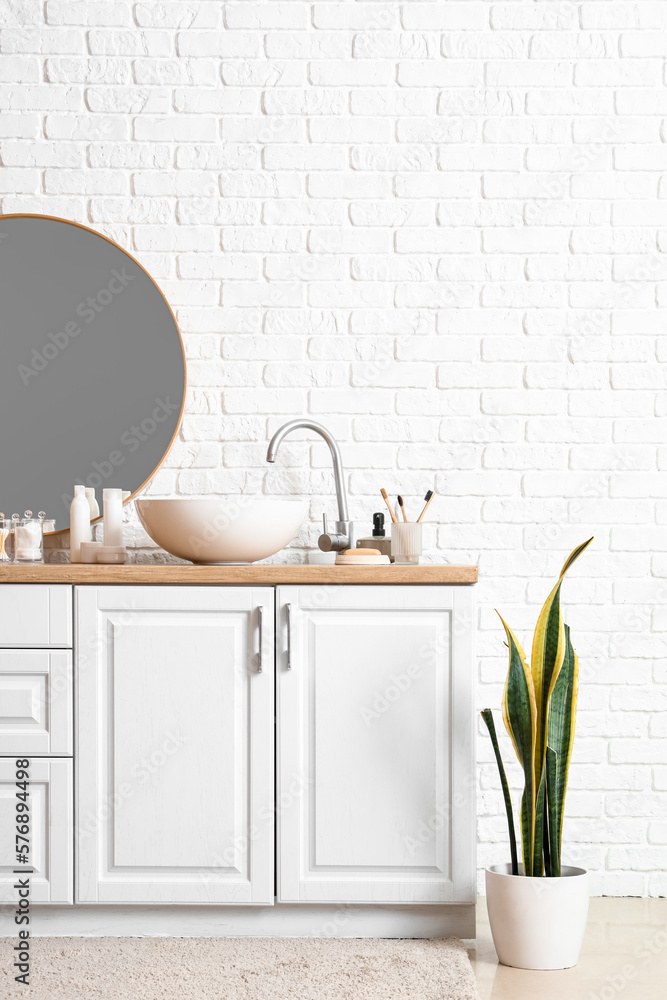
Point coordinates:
[[562, 718], [547, 658]]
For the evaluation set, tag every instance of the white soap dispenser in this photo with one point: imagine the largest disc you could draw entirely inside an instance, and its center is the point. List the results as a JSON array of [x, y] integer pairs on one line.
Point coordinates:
[[79, 523], [92, 503], [113, 516]]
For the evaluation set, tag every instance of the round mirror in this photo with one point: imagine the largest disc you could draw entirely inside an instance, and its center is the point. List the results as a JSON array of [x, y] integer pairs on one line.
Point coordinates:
[[92, 368]]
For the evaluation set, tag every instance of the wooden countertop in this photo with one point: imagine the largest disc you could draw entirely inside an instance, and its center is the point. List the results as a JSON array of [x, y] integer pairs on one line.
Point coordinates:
[[257, 574]]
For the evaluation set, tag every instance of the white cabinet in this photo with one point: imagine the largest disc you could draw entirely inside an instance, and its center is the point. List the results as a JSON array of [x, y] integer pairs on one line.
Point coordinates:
[[50, 830], [375, 761], [175, 750], [175, 726]]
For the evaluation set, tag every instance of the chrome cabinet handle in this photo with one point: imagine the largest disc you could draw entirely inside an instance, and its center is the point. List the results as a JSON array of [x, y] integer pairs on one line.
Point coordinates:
[[260, 621], [288, 609]]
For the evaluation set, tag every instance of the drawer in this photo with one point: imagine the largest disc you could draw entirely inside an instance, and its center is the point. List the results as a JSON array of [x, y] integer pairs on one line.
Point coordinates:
[[35, 701], [51, 831], [35, 615]]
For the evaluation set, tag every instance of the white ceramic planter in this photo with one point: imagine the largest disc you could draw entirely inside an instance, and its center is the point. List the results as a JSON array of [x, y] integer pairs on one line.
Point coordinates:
[[537, 923]]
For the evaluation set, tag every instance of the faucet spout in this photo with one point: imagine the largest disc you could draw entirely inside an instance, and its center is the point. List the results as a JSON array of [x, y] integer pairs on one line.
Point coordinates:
[[343, 536], [313, 425]]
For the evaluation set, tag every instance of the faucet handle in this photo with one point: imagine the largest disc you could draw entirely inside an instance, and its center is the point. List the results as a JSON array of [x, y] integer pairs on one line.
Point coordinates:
[[337, 540]]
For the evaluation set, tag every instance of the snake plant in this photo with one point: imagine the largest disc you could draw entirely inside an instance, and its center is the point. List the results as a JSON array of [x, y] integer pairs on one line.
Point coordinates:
[[539, 712]]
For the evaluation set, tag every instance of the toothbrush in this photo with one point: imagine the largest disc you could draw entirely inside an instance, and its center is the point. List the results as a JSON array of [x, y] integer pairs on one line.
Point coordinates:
[[429, 496], [383, 493], [402, 506]]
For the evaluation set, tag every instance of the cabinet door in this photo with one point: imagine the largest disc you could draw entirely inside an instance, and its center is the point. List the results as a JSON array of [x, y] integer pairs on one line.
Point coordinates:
[[51, 835], [35, 702], [375, 722], [36, 615], [175, 745]]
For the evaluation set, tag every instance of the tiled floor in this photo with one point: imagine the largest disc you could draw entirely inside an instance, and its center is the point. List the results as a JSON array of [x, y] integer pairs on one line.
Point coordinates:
[[624, 957]]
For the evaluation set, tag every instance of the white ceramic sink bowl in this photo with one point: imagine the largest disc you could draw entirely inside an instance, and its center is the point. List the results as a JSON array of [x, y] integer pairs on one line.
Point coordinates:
[[216, 530]]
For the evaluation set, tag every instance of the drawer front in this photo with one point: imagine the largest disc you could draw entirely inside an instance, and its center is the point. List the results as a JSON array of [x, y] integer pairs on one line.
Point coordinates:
[[35, 615], [35, 701], [51, 831]]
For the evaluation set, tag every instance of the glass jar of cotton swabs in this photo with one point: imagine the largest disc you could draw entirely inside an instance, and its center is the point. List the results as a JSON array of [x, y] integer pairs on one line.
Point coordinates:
[[22, 538]]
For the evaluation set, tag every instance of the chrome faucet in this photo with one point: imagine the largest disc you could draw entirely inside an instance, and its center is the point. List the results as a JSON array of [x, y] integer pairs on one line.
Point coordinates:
[[343, 536]]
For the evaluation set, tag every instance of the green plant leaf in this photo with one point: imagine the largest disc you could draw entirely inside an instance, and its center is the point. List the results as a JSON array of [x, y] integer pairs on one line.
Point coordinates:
[[552, 865], [487, 715], [547, 658], [545, 836], [527, 708], [519, 714], [538, 837], [562, 719]]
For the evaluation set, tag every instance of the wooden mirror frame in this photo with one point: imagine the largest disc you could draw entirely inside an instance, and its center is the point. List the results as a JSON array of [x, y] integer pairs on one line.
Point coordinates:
[[79, 225]]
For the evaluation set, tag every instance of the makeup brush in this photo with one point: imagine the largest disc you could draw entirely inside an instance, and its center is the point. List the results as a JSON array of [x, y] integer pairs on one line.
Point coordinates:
[[384, 496], [429, 496], [402, 506]]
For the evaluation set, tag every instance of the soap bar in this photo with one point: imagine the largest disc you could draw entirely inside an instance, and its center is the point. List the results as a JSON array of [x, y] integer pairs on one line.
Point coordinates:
[[343, 559], [363, 553]]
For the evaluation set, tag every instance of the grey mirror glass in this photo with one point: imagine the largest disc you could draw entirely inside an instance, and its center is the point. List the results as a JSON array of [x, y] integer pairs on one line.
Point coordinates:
[[92, 369]]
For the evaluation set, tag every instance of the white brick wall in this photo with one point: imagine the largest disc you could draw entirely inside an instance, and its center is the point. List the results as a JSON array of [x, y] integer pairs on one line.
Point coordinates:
[[440, 228]]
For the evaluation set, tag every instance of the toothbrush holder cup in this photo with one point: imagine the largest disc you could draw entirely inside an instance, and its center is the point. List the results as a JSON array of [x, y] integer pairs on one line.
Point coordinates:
[[406, 542]]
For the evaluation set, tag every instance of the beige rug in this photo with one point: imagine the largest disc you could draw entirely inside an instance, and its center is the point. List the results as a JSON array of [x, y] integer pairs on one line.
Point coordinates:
[[243, 969]]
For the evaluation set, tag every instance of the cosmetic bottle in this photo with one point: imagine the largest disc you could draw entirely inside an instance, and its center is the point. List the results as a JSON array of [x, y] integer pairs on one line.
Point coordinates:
[[79, 523], [92, 503], [113, 516], [378, 539]]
